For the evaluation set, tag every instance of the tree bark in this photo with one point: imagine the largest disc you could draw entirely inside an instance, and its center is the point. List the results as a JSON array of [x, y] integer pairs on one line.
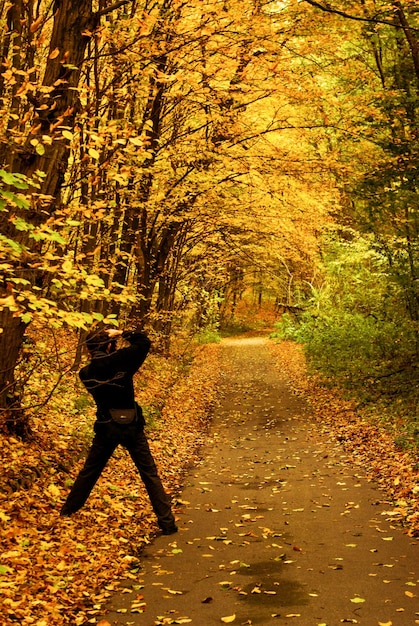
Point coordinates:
[[73, 23], [11, 416], [410, 38], [53, 109]]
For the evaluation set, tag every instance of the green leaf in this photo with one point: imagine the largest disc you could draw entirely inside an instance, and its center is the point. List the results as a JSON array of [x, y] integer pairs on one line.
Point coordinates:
[[19, 201], [8, 178], [20, 281], [21, 224], [13, 245], [54, 236], [14, 180]]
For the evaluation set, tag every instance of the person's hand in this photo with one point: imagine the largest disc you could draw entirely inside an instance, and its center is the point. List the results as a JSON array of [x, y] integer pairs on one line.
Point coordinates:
[[113, 332]]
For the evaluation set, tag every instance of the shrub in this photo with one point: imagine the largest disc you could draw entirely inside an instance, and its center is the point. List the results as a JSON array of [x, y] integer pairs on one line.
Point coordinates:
[[208, 336]]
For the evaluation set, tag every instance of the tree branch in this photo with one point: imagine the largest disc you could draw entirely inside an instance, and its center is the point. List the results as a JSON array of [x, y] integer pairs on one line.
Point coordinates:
[[115, 6], [328, 9]]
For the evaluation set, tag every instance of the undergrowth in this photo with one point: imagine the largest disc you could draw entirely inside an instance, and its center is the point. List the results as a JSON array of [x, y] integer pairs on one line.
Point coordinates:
[[373, 363]]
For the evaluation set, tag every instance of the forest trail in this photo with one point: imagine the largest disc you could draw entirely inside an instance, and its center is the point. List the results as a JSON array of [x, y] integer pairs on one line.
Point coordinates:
[[276, 526]]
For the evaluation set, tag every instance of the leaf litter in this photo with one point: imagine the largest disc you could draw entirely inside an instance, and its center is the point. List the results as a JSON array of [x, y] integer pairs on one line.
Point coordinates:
[[364, 439], [56, 571]]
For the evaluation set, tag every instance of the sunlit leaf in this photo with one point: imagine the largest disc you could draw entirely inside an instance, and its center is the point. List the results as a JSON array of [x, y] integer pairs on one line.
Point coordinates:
[[94, 153]]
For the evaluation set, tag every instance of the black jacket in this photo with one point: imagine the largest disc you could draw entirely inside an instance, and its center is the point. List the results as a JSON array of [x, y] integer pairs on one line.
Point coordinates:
[[108, 377]]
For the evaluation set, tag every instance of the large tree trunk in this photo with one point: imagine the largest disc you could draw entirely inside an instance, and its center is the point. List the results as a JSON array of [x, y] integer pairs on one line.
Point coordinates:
[[73, 23]]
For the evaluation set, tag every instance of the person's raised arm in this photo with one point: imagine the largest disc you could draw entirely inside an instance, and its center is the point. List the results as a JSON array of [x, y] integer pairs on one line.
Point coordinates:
[[134, 356]]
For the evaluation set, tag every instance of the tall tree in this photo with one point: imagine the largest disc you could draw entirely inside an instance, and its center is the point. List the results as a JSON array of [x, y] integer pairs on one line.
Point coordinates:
[[37, 145]]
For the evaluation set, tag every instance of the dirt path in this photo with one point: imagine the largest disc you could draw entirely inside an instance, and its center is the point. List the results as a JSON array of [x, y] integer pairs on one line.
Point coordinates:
[[276, 525]]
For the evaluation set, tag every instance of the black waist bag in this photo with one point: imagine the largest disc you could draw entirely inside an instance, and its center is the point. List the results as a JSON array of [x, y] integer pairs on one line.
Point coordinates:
[[123, 416]]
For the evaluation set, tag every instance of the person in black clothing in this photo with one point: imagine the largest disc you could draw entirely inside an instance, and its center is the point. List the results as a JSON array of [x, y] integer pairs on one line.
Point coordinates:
[[108, 378]]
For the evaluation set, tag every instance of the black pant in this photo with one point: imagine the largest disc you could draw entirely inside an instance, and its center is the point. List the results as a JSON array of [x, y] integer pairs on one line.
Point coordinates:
[[107, 437]]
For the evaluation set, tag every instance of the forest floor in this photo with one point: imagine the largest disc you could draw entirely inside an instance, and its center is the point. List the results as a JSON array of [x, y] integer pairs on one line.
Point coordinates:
[[290, 506], [277, 522]]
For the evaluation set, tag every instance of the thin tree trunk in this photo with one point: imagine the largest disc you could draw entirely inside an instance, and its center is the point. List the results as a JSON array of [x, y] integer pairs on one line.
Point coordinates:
[[12, 418]]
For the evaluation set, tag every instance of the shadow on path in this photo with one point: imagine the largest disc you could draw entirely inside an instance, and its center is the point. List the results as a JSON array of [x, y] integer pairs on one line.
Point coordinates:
[[276, 525]]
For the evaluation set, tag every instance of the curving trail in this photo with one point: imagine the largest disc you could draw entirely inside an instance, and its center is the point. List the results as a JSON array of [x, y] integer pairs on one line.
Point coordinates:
[[276, 525]]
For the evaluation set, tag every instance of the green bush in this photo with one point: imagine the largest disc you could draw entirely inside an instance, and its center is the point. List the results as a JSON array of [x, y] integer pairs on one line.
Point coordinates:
[[355, 328], [287, 328], [208, 336], [360, 330], [353, 348]]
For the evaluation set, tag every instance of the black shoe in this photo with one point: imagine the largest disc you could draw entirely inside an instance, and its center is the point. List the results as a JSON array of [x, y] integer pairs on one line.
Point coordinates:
[[169, 530], [66, 513]]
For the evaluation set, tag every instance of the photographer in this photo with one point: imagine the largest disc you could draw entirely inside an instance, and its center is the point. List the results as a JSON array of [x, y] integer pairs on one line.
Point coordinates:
[[119, 420]]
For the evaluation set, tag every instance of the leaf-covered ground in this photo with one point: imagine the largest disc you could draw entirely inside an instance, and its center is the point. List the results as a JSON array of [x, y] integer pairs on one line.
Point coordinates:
[[56, 571], [275, 522], [368, 439]]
